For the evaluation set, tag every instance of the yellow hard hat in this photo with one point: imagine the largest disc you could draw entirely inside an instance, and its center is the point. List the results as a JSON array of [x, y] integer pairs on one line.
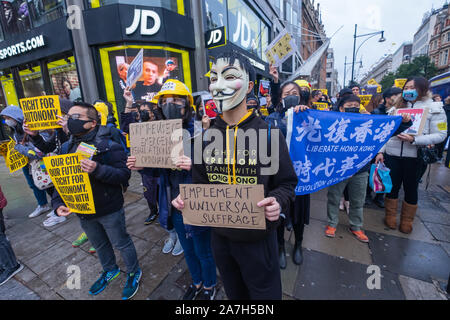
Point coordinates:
[[103, 110], [303, 83], [175, 87]]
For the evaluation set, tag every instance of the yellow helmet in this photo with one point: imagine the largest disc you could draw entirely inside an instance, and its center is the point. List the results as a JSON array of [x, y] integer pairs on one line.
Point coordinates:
[[175, 87], [103, 110], [303, 83]]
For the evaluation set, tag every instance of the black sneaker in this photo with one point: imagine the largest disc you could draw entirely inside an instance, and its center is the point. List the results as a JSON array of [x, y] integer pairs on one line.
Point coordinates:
[[6, 275], [152, 216], [192, 292], [207, 294]]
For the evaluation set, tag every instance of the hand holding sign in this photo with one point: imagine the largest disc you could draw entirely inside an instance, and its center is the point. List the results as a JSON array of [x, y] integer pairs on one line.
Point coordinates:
[[88, 166], [274, 73], [28, 131], [184, 163], [63, 211], [131, 163], [272, 208], [178, 203]]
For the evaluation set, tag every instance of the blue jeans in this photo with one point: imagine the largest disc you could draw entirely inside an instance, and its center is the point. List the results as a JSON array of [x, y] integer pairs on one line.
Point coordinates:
[[40, 195], [7, 257], [107, 231], [197, 252]]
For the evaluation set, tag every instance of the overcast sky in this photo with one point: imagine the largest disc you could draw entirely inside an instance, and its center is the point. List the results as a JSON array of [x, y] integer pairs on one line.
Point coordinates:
[[400, 19]]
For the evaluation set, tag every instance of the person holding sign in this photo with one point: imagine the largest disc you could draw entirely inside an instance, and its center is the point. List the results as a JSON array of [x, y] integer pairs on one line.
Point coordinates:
[[14, 119], [247, 259], [107, 174], [175, 101], [402, 153]]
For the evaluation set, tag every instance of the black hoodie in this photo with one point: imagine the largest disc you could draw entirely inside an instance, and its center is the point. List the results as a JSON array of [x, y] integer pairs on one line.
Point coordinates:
[[246, 169]]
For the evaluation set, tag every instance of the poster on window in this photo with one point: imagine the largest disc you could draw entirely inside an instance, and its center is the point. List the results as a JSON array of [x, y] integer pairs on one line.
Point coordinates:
[[158, 67], [66, 85]]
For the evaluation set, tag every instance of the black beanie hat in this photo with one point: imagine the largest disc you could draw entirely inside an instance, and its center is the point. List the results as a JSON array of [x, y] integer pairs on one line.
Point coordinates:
[[391, 92]]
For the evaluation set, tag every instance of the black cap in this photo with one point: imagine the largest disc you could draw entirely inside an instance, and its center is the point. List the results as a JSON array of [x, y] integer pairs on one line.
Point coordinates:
[[348, 98], [391, 92], [345, 91]]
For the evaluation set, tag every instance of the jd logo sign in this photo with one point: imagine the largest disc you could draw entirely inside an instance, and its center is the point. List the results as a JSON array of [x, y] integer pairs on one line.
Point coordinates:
[[141, 18], [215, 38]]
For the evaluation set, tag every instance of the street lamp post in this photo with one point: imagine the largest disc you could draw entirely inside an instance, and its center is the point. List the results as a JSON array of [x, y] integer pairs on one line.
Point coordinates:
[[345, 68], [355, 36]]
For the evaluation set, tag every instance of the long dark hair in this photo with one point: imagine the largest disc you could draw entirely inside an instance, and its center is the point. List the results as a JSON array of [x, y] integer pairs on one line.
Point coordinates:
[[304, 99], [422, 86]]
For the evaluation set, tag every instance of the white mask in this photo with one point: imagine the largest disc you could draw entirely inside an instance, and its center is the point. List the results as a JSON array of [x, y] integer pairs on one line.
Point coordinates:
[[11, 123], [229, 84]]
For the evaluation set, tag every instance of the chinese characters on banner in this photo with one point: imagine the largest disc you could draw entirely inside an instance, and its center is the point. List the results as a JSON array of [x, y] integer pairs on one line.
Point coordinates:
[[329, 147], [280, 49], [41, 113], [14, 160], [72, 184]]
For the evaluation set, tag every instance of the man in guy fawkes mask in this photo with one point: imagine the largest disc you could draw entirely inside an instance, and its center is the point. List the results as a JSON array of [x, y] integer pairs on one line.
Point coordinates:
[[247, 259]]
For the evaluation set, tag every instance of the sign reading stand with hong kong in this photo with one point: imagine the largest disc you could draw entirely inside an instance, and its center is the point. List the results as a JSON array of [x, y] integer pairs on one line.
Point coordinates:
[[329, 147]]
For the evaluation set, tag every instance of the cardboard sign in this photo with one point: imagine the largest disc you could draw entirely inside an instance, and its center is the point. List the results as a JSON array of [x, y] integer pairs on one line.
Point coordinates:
[[365, 99], [135, 69], [400, 83], [321, 106], [72, 184], [280, 49], [223, 205], [156, 144], [418, 117], [40, 113]]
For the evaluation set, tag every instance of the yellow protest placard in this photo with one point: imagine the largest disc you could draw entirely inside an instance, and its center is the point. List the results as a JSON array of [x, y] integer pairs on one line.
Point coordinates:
[[372, 82], [4, 148], [365, 99], [40, 113], [400, 83], [13, 158], [321, 106], [280, 49], [324, 91], [72, 184]]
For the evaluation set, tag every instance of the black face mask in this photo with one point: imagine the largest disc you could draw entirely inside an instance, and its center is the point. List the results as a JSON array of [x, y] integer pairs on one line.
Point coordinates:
[[351, 110], [305, 96], [172, 111], [289, 102], [76, 126], [145, 115]]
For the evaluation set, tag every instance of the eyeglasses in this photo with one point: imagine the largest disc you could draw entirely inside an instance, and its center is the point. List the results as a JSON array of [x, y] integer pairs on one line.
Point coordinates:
[[76, 116]]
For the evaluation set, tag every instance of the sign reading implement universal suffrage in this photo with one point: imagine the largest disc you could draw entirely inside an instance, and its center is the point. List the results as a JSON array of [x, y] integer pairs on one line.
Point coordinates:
[[41, 113], [329, 147], [71, 182], [223, 205], [156, 144]]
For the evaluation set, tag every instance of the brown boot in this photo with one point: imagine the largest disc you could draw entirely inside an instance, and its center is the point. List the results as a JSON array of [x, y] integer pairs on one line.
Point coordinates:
[[407, 217], [390, 207]]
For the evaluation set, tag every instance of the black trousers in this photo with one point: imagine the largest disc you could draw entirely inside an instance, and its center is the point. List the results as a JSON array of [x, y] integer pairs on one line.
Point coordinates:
[[249, 270], [404, 171]]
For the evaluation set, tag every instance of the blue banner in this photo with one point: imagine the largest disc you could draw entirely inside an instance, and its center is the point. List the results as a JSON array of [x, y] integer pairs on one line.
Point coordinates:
[[329, 147]]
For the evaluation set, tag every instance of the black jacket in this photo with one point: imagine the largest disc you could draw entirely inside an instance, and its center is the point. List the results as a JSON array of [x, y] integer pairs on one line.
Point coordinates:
[[108, 178], [56, 140], [381, 110], [280, 185]]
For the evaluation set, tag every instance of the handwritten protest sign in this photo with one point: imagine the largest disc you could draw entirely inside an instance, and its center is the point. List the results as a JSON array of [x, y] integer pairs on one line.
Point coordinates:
[[280, 49], [223, 205], [14, 159], [156, 144], [41, 113], [72, 184], [418, 117], [329, 147], [135, 69], [365, 99]]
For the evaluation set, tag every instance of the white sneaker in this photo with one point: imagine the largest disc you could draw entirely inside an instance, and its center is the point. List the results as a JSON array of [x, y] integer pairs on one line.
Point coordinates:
[[169, 243], [178, 249], [51, 213], [39, 210], [53, 220]]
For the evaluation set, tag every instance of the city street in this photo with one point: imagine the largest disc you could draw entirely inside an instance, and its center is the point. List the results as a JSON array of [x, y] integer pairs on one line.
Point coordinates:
[[412, 266]]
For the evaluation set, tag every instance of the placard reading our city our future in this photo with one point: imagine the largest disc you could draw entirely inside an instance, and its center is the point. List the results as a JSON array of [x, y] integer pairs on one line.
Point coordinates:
[[223, 205], [71, 182], [41, 113]]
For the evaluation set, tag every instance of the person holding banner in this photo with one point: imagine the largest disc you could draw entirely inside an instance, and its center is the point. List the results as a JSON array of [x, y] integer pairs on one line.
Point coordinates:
[[175, 101], [107, 175], [14, 119], [247, 259], [402, 153]]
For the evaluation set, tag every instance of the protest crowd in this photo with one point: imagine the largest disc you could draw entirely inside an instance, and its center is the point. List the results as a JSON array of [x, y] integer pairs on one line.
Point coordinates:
[[89, 158]]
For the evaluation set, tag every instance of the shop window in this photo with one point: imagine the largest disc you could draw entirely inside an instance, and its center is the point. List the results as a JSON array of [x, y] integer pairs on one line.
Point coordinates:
[[160, 64], [216, 13], [173, 5], [32, 82], [19, 16], [64, 79]]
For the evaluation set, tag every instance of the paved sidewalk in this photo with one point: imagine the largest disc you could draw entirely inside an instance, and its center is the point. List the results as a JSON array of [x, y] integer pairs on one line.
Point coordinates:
[[412, 267]]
